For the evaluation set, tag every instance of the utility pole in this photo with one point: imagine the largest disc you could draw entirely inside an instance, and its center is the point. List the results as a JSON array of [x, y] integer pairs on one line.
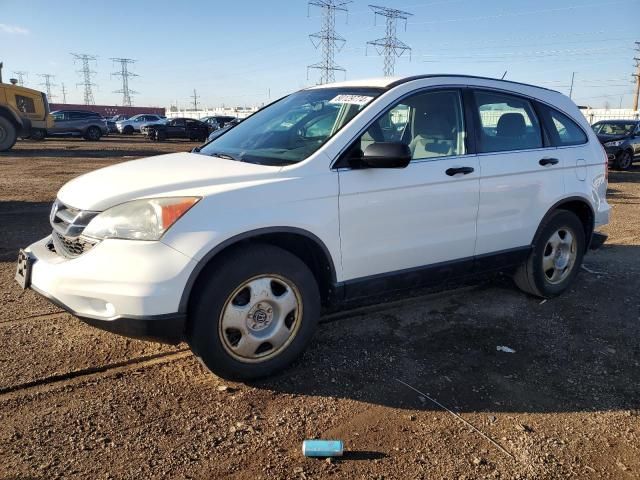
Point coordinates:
[[47, 84], [64, 95], [125, 74], [21, 76], [573, 74], [390, 46], [637, 77], [195, 100], [87, 73], [327, 39]]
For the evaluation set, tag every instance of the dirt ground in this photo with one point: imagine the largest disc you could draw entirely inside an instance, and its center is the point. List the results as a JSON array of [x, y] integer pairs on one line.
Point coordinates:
[[76, 402]]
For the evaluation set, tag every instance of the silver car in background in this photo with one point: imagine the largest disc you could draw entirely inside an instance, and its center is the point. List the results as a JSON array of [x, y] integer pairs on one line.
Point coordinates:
[[134, 123]]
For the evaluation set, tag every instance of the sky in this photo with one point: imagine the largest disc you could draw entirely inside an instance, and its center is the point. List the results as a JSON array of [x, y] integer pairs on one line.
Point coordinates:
[[248, 52]]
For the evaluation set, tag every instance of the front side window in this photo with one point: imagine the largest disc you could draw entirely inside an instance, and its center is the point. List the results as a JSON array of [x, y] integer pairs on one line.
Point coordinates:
[[25, 104], [293, 128], [430, 123], [506, 123]]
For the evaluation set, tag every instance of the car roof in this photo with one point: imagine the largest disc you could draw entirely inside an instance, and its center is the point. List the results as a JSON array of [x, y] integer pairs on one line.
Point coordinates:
[[390, 82]]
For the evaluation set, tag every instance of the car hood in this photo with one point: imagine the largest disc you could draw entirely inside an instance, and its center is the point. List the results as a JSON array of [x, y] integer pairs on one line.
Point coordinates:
[[173, 174], [611, 138]]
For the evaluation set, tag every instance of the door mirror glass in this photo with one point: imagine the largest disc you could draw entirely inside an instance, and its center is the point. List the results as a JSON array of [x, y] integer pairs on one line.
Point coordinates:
[[386, 155]]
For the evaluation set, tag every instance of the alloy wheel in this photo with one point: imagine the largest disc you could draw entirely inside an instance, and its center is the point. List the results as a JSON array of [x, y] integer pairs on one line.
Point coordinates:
[[260, 318], [559, 255]]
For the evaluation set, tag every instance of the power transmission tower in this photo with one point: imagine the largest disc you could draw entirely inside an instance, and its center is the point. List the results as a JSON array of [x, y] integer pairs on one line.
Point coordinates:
[[125, 74], [87, 73], [64, 95], [390, 46], [195, 100], [327, 39], [47, 84], [21, 76], [637, 78]]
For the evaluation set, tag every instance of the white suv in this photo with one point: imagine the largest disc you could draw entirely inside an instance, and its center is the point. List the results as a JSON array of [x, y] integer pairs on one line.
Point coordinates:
[[333, 193]]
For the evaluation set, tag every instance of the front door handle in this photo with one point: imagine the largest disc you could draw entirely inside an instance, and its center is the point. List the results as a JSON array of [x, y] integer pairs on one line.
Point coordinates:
[[548, 161], [454, 171]]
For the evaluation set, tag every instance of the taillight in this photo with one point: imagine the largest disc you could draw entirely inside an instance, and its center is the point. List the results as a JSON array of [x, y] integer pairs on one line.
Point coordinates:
[[606, 164]]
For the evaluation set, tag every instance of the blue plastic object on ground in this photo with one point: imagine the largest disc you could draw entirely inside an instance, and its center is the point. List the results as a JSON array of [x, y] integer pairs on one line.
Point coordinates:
[[322, 448]]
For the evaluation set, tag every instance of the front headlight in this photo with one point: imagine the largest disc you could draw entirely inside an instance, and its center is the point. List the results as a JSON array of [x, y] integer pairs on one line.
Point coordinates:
[[145, 219], [617, 143]]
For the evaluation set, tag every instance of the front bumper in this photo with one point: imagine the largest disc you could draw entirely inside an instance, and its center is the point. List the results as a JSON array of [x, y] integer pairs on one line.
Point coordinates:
[[612, 153], [132, 288]]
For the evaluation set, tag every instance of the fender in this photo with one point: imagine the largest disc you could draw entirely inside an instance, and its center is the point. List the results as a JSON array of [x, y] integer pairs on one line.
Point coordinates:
[[184, 299], [559, 204], [11, 115]]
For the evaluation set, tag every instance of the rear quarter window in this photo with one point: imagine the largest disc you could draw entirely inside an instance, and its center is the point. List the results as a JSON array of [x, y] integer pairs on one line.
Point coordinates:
[[563, 131]]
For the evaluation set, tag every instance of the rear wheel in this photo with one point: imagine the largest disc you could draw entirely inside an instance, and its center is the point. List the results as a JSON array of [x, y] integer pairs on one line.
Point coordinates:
[[254, 313], [128, 130], [93, 134], [8, 134], [555, 258], [624, 160]]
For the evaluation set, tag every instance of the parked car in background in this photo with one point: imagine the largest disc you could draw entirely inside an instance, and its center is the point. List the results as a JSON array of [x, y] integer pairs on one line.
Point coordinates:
[[145, 124], [217, 121], [177, 128], [621, 141], [119, 117], [134, 123], [78, 123], [111, 125], [320, 199]]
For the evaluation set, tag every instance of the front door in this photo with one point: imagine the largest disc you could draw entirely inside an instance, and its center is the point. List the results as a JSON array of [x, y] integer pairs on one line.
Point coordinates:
[[401, 220]]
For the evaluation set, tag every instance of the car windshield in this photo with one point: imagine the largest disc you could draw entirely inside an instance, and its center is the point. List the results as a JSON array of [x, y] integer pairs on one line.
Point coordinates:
[[614, 128], [291, 129]]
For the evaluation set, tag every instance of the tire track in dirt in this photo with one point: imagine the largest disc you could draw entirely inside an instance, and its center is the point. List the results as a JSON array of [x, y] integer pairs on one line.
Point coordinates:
[[79, 376]]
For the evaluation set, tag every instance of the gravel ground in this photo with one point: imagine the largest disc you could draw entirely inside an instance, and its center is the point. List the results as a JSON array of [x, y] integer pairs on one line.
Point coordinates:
[[76, 402]]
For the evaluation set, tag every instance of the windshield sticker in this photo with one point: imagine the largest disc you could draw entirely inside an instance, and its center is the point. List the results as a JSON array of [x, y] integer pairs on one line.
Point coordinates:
[[352, 99]]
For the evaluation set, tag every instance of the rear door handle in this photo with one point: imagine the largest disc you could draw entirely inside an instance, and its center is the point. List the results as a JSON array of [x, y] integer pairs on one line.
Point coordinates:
[[454, 171], [548, 161]]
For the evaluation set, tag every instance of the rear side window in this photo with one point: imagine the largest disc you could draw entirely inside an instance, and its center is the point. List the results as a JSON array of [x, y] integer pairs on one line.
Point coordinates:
[[78, 115], [562, 130], [507, 123]]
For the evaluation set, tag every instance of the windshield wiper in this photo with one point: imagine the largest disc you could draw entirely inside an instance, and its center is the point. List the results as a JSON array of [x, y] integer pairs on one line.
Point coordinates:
[[226, 156]]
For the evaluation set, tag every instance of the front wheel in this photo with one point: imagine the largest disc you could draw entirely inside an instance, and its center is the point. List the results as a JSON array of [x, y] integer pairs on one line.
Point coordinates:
[[555, 258], [38, 134], [8, 134], [254, 312], [624, 161]]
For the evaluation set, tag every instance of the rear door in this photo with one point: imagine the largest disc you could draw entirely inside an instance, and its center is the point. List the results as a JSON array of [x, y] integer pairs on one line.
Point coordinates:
[[521, 174], [414, 224]]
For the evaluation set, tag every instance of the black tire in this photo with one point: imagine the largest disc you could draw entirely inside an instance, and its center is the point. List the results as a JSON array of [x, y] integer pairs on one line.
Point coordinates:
[[531, 276], [221, 283], [128, 130], [93, 134], [8, 134], [624, 160], [38, 134]]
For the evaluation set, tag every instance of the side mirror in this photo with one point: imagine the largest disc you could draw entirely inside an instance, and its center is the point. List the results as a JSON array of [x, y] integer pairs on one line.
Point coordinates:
[[386, 155]]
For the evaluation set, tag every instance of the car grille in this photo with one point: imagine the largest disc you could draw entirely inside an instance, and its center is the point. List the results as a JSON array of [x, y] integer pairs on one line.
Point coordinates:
[[71, 247], [68, 224]]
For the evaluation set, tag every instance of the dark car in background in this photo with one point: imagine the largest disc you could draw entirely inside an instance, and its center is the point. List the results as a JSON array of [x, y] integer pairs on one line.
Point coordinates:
[[621, 141], [217, 121], [177, 128], [78, 123]]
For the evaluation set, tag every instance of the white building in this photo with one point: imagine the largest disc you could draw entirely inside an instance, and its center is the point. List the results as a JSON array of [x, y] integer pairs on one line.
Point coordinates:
[[238, 112], [596, 114]]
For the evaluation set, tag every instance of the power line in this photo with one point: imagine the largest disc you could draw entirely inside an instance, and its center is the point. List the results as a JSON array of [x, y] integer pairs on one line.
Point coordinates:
[[47, 84], [125, 74], [195, 100], [21, 76], [64, 94], [390, 46], [327, 39], [87, 73]]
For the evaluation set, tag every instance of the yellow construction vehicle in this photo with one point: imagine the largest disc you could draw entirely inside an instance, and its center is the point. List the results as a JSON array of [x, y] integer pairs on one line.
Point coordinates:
[[23, 113]]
